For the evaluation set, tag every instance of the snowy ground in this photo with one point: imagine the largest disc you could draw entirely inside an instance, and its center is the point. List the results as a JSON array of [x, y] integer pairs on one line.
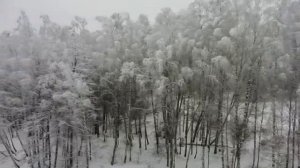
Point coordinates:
[[102, 153]]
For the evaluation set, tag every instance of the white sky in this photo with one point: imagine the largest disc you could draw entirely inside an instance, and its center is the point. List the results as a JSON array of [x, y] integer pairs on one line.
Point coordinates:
[[63, 11]]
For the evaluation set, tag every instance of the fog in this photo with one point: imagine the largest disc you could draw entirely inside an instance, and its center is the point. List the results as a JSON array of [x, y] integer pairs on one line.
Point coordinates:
[[62, 11]]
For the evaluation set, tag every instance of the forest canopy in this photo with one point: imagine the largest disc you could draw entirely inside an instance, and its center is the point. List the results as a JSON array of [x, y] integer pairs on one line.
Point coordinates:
[[220, 77]]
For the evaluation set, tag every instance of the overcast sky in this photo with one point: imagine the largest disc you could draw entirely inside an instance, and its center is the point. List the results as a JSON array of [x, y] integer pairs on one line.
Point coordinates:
[[62, 11]]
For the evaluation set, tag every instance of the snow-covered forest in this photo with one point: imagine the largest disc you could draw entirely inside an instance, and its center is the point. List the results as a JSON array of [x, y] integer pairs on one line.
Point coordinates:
[[215, 85]]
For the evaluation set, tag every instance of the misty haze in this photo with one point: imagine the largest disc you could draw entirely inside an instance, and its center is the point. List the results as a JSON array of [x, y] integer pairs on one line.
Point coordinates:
[[149, 84]]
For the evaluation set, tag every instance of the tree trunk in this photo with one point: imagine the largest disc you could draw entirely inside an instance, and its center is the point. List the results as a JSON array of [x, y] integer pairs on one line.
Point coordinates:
[[146, 134], [71, 147], [49, 142], [289, 134], [140, 132], [9, 151], [126, 136], [220, 116], [203, 156], [116, 133], [273, 129], [56, 148], [155, 119], [186, 127], [87, 154], [22, 144], [294, 134], [222, 150], [259, 136]]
